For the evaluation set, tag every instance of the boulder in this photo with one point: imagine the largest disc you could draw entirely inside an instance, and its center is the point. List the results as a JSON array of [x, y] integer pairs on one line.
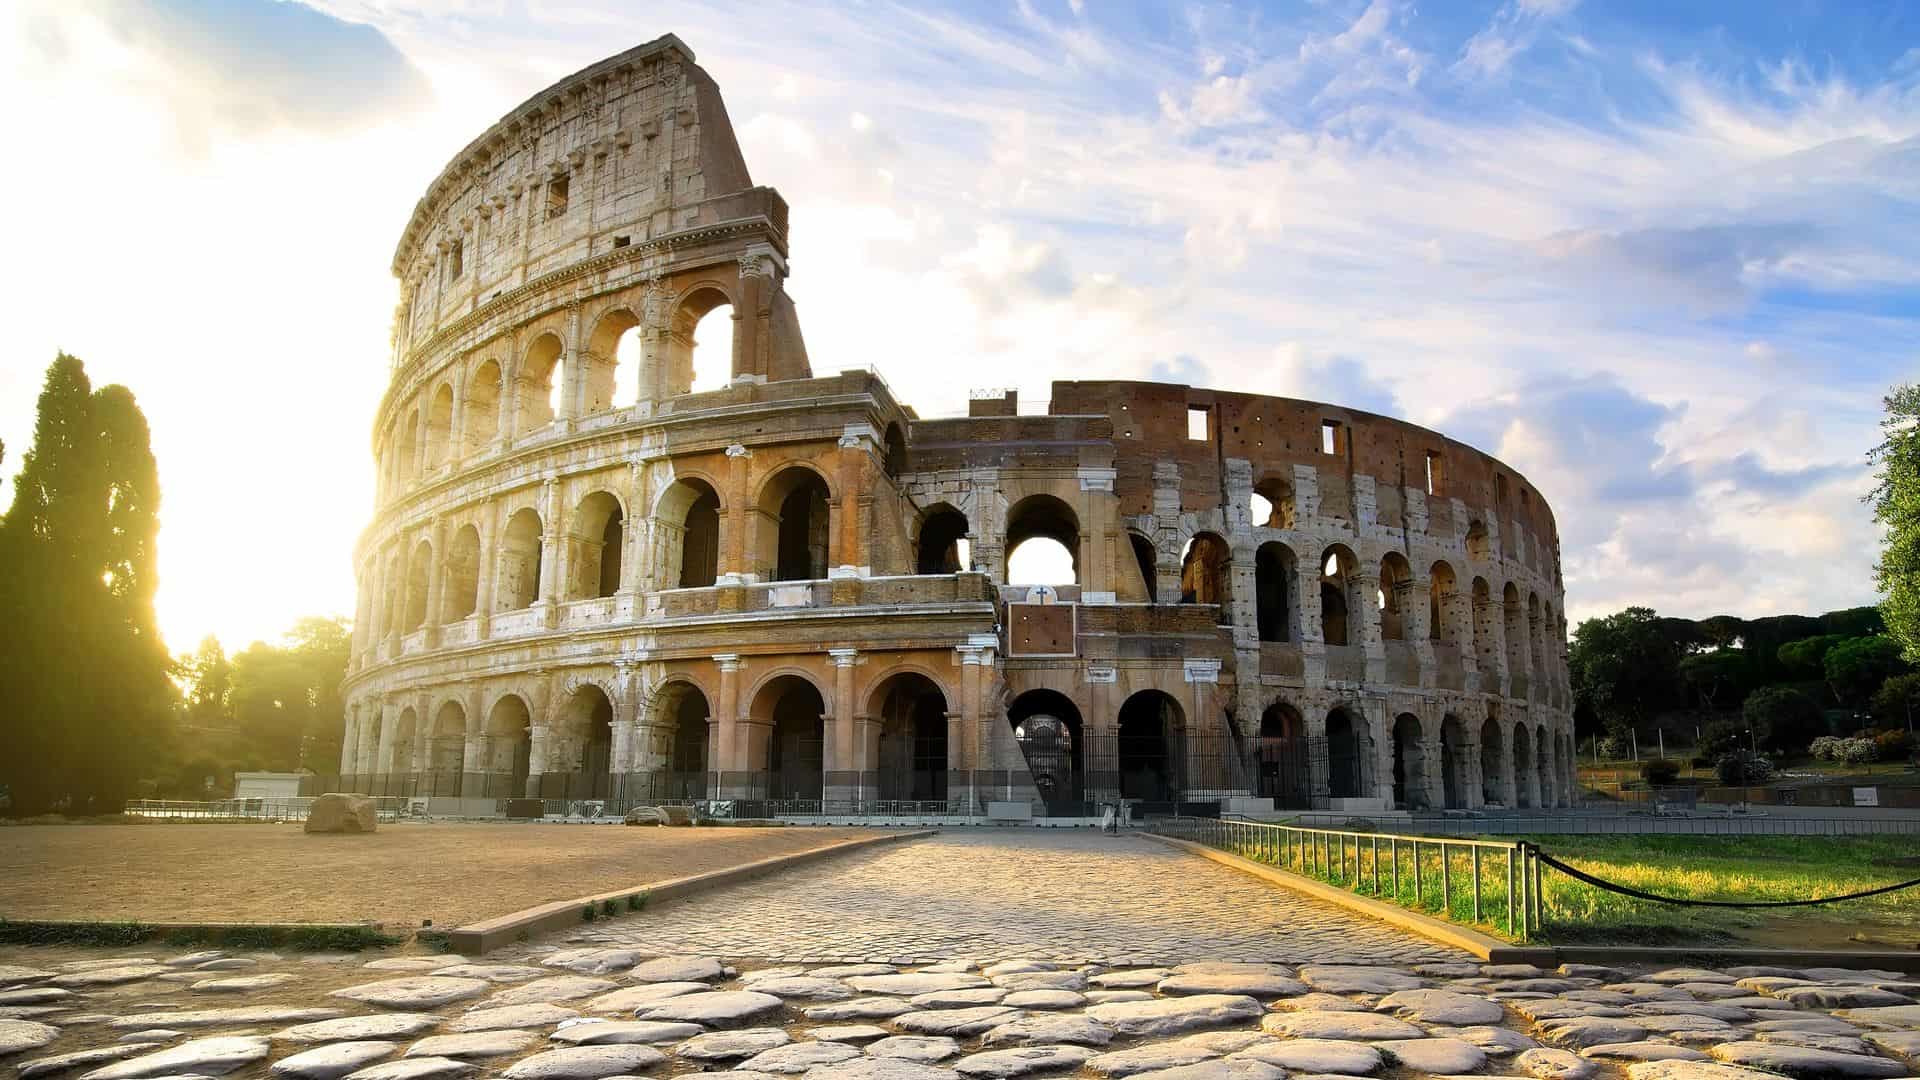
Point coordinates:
[[678, 815], [646, 815], [338, 812]]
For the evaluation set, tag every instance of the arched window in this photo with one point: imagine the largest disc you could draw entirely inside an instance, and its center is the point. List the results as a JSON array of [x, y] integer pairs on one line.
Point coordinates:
[[419, 569], [700, 347], [688, 713], [689, 553], [896, 451], [518, 583], [611, 366], [1272, 503], [596, 543], [794, 516], [1043, 542], [482, 419], [1443, 604], [1206, 574], [1145, 561], [1479, 545], [440, 427], [1340, 597], [462, 581], [943, 546], [1273, 572], [1396, 589], [540, 384]]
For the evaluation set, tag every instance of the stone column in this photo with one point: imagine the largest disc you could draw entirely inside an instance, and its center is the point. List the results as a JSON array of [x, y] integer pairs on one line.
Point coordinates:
[[350, 740], [1509, 783], [1471, 778], [726, 715], [1367, 580], [552, 550], [845, 537], [733, 526], [1489, 634], [845, 765], [625, 711], [1531, 768], [1313, 631], [389, 716], [1416, 622], [1434, 776], [1203, 676], [489, 563], [436, 588], [1098, 756], [633, 535]]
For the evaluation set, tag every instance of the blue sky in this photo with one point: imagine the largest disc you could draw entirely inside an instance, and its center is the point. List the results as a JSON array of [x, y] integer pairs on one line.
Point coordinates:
[[1663, 258]]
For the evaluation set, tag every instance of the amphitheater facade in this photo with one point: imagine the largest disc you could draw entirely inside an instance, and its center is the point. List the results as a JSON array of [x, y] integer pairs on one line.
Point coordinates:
[[584, 581]]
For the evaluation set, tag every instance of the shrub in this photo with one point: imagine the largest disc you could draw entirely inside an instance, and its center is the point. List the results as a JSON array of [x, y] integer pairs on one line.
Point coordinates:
[[1891, 746], [1743, 768], [1851, 751], [1783, 718], [1659, 771], [1612, 747]]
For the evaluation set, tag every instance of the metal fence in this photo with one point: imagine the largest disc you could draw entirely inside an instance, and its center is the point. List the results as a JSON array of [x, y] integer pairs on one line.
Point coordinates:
[[292, 809], [1721, 822], [1487, 883]]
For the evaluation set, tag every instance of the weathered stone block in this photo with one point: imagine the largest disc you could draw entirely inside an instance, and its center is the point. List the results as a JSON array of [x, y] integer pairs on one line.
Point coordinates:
[[337, 812]]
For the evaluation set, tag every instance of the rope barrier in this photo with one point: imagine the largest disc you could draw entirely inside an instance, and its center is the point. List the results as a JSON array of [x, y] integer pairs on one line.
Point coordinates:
[[1624, 890]]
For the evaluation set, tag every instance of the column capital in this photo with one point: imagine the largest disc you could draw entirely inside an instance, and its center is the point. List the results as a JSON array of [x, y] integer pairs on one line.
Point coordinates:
[[728, 661], [738, 450], [843, 657]]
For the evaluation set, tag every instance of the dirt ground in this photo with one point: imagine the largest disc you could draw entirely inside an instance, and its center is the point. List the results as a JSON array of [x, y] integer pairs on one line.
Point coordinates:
[[451, 873]]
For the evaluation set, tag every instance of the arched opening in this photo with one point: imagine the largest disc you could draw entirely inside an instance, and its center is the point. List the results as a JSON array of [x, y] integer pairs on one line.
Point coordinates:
[[1345, 747], [419, 571], [440, 427], [896, 451], [1273, 503], [1453, 763], [482, 416], [1396, 591], [1522, 762], [909, 733], [517, 584], [794, 520], [581, 744], [597, 541], [447, 748], [462, 582], [943, 546], [400, 752], [1206, 574], [700, 345], [789, 714], [1143, 559], [1479, 545], [611, 379], [1340, 598], [1283, 772], [688, 514], [1043, 542], [1148, 750], [1486, 631], [1046, 725], [509, 748], [407, 466], [1516, 620], [686, 716], [1273, 569], [1409, 764], [540, 384], [1493, 759], [1442, 588]]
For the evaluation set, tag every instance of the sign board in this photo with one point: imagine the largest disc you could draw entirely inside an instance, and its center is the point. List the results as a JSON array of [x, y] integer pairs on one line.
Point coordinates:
[[1866, 796], [1041, 629]]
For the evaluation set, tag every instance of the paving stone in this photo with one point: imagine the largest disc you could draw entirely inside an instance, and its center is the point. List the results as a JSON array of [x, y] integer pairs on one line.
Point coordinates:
[[843, 971], [1348, 979], [60, 1063], [804, 987], [17, 1036], [1042, 999], [957, 1023], [1687, 975], [548, 989], [1440, 1007], [848, 1033], [1319, 1002], [799, 1057], [360, 1028], [1433, 1055], [1745, 971], [715, 1008], [958, 999], [1893, 1016], [1316, 1055], [1252, 983], [1693, 1070], [223, 963], [921, 1048], [724, 1045], [1584, 1031], [593, 961], [34, 995], [677, 969], [1855, 975], [1132, 979], [187, 960], [1511, 971], [109, 962], [1042, 980], [1549, 1064], [1101, 997], [493, 973], [31, 1012], [1713, 1010], [1049, 1028], [1174, 1015], [418, 992], [1814, 1040], [405, 963], [1710, 991], [914, 983], [14, 975], [151, 1035], [1839, 997], [1825, 1024], [1541, 986], [333, 1060], [1561, 1009], [1589, 971], [1649, 991], [877, 1069], [602, 1032], [1017, 966], [1767, 984], [538, 1015], [1023, 1061], [1799, 1061], [108, 976], [1495, 1041], [473, 1044], [1684, 1024], [240, 984], [206, 1057], [1643, 1051], [628, 999], [585, 1063], [237, 1016], [874, 1008], [418, 1068], [1455, 970], [1242, 1069], [1339, 1025]]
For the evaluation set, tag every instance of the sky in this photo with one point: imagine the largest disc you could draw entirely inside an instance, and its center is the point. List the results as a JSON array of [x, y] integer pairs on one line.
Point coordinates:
[[1664, 259]]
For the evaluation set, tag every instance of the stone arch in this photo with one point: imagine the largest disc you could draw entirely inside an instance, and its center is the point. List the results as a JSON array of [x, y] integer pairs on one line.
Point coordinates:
[[419, 577], [1348, 746], [447, 746], [686, 365], [1150, 740], [896, 446], [1443, 605], [1276, 602], [522, 550], [596, 545], [907, 736], [794, 521], [1047, 728], [940, 541], [1283, 766], [1144, 561], [1206, 574], [440, 448], [686, 521], [580, 741], [1409, 764], [509, 742], [1041, 518], [481, 417], [682, 717], [601, 375], [1453, 763], [1276, 491], [540, 385], [1494, 760], [786, 734], [1395, 596], [400, 748], [1340, 598], [461, 585]]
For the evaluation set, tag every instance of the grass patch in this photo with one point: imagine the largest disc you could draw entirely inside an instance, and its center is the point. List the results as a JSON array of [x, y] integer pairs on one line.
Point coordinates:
[[120, 934]]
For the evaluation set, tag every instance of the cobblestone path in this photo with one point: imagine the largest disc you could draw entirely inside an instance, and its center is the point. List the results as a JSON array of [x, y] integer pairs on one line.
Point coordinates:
[[1077, 896]]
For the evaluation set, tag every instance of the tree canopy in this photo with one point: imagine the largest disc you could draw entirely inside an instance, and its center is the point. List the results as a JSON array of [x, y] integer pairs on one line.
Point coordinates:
[[1896, 506]]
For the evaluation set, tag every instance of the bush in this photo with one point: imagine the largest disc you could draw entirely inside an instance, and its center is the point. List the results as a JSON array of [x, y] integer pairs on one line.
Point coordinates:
[[1659, 772], [1851, 751], [1783, 718], [1891, 746], [1743, 768]]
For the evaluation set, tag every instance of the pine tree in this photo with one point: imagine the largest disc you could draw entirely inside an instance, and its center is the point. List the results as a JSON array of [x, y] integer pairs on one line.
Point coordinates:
[[1896, 506]]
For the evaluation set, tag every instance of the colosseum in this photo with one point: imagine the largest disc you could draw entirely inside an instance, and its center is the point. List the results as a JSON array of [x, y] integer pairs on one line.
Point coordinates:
[[792, 595]]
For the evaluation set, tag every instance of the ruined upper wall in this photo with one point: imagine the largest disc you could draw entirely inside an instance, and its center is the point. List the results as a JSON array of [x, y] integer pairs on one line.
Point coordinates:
[[623, 150]]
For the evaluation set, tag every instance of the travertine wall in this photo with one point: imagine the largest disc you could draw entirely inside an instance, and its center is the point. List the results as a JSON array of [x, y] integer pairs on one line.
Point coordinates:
[[561, 586]]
